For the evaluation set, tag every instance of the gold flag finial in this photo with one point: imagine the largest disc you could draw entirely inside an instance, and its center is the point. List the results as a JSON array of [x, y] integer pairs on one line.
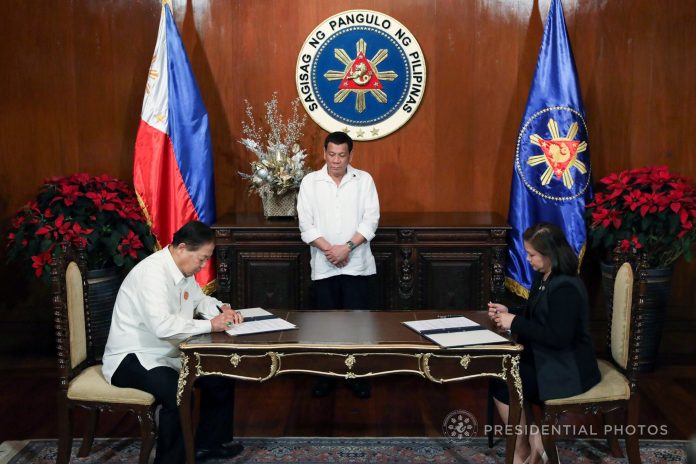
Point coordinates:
[[168, 2]]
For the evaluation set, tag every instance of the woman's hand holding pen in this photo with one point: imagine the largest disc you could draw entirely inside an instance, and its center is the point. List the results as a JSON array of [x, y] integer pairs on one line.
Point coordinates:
[[226, 319], [496, 308], [500, 315]]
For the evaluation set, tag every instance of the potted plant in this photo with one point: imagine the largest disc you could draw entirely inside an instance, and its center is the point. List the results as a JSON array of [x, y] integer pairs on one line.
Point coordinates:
[[100, 212], [651, 211], [277, 172]]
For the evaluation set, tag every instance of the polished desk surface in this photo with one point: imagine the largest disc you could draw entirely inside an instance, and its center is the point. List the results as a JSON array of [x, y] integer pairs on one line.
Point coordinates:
[[349, 330]]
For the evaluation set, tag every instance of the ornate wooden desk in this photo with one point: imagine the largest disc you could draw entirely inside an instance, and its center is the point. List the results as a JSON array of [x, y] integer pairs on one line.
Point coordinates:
[[345, 344], [424, 260]]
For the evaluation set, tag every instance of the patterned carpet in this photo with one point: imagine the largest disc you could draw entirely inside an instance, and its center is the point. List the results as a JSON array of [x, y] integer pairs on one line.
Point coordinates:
[[348, 450]]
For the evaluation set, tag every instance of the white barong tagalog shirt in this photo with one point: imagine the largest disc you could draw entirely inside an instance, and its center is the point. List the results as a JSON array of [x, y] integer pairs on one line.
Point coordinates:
[[154, 312], [336, 213]]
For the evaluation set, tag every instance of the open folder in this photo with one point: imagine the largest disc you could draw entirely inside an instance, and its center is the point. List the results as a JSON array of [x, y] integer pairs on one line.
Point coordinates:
[[451, 332], [257, 320]]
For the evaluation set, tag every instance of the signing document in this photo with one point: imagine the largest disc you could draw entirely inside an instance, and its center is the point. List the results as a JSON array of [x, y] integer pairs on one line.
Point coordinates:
[[257, 320], [450, 332]]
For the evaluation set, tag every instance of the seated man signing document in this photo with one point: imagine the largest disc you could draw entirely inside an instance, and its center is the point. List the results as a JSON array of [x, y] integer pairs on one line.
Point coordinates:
[[154, 312]]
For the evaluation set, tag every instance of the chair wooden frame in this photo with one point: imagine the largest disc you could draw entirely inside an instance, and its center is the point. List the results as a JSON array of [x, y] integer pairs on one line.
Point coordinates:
[[630, 406], [66, 406]]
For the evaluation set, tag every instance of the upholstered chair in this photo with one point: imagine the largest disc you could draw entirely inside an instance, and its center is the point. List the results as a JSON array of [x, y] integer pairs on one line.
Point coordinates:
[[617, 391], [82, 384]]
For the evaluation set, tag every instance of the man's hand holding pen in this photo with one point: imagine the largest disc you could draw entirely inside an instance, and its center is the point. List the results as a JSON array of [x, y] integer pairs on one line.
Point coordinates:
[[500, 315], [226, 319]]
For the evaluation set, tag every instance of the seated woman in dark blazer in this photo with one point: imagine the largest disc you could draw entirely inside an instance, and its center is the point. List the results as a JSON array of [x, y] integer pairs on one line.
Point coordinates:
[[558, 358]]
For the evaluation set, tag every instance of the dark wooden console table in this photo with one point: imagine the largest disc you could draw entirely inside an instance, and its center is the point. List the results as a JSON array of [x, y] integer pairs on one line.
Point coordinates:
[[346, 344], [429, 260]]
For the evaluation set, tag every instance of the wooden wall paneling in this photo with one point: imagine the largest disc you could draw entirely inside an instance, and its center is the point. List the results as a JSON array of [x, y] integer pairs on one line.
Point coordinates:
[[113, 51], [37, 97], [481, 55]]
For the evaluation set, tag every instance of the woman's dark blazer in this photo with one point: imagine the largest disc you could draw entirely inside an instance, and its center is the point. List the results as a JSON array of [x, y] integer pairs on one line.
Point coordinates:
[[555, 328]]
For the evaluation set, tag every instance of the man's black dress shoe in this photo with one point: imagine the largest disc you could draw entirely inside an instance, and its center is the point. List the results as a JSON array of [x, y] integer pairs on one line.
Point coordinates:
[[224, 451]]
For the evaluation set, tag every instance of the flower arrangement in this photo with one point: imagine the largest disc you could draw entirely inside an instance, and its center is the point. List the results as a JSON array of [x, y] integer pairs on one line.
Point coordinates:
[[648, 209], [280, 166], [101, 213]]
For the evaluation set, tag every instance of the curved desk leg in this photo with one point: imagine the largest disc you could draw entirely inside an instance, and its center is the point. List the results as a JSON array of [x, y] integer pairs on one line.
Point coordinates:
[[184, 394], [514, 384]]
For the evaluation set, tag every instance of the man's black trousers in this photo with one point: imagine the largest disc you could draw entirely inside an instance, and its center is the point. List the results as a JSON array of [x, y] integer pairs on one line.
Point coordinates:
[[216, 410]]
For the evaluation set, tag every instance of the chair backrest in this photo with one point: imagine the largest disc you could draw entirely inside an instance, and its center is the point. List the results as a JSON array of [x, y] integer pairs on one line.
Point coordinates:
[[627, 296], [70, 308], [75, 293], [621, 314]]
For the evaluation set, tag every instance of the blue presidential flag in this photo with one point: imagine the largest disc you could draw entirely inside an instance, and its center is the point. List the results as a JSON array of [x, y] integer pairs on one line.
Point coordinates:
[[551, 176]]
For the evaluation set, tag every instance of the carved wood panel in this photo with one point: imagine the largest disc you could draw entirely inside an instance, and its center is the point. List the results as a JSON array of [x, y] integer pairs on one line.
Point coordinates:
[[452, 280], [442, 261], [381, 295], [270, 280]]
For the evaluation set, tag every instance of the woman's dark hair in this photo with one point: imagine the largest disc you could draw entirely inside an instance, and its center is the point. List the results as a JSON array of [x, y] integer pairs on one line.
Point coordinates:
[[338, 138], [194, 235], [548, 239]]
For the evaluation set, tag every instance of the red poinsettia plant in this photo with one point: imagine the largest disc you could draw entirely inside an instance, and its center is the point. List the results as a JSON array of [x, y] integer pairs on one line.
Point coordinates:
[[649, 209], [101, 212]]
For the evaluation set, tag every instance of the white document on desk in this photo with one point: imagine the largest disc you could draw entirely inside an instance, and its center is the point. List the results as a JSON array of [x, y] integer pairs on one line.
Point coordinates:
[[472, 337], [258, 320], [452, 332], [440, 323]]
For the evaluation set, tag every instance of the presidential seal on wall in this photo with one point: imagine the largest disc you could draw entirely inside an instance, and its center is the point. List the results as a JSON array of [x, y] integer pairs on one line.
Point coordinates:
[[361, 72]]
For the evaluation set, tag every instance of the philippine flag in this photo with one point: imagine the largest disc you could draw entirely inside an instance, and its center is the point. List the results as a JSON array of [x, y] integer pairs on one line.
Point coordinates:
[[173, 165]]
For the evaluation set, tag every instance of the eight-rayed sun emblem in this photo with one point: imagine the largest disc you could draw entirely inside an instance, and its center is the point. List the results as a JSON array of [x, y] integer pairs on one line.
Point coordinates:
[[560, 153], [360, 76], [363, 73]]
